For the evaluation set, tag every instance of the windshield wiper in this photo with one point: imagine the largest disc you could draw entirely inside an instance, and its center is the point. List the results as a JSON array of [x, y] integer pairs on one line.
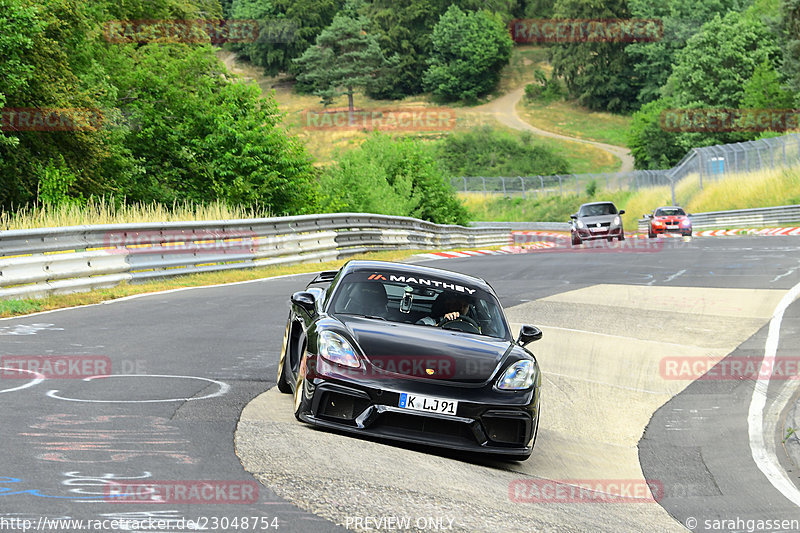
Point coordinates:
[[363, 316]]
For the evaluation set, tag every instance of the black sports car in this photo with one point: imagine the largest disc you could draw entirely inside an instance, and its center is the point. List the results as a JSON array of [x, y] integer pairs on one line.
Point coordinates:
[[412, 354]]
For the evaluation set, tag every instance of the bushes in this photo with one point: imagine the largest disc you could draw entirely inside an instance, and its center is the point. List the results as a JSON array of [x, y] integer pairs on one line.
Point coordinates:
[[488, 152], [390, 177]]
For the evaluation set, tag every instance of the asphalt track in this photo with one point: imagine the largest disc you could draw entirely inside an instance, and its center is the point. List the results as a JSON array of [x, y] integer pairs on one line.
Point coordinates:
[[206, 408]]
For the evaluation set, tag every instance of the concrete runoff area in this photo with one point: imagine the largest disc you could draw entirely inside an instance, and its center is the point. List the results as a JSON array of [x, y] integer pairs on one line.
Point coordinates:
[[601, 358]]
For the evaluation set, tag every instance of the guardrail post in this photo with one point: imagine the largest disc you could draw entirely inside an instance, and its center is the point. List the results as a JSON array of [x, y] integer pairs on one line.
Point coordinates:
[[560, 187], [522, 181], [504, 187], [484, 186]]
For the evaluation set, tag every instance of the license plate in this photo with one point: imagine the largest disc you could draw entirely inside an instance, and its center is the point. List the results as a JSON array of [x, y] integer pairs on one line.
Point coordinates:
[[415, 402], [597, 229]]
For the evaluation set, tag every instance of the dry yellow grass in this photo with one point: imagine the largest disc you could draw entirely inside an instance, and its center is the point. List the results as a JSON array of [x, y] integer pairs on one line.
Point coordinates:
[[767, 188], [106, 212], [758, 189]]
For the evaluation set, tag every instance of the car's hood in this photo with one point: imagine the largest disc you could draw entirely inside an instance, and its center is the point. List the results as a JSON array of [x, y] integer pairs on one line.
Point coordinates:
[[600, 218], [427, 352]]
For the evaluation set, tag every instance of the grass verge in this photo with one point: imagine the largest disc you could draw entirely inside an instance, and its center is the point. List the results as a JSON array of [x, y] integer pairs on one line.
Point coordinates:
[[572, 120], [495, 208], [10, 308]]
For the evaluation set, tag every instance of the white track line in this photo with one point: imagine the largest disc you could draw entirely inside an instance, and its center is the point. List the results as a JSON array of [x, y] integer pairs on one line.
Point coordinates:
[[766, 461]]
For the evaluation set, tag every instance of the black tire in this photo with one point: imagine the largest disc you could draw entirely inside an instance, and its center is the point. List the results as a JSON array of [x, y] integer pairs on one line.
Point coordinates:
[[283, 382], [621, 236], [651, 234], [576, 241], [610, 239]]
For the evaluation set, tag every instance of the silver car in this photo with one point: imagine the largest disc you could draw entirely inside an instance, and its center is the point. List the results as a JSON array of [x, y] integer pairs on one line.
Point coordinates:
[[596, 220]]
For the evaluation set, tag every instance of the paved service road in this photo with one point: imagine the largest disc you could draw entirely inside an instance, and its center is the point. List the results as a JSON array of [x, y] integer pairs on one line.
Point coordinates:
[[614, 416]]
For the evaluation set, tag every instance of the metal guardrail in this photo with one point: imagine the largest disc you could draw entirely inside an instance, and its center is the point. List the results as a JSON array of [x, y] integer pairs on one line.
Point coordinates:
[[45, 261], [525, 226], [742, 218]]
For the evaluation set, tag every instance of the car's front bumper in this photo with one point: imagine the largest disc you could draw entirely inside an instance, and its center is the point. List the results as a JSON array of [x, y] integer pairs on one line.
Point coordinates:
[[587, 234], [505, 426], [682, 230]]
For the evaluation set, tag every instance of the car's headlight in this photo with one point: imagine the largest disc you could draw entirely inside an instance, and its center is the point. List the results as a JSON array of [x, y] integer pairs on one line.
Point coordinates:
[[617, 221], [581, 224], [518, 376], [686, 222], [336, 349]]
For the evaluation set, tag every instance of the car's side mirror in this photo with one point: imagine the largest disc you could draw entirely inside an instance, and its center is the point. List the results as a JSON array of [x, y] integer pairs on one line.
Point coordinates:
[[621, 212], [688, 214], [528, 334], [306, 300], [573, 217]]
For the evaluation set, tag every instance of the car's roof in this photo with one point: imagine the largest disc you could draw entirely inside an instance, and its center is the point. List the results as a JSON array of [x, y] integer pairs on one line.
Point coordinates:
[[598, 203], [415, 270], [668, 207]]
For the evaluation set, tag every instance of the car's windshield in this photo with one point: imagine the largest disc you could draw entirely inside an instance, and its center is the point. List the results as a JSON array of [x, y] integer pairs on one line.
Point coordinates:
[[421, 300], [595, 210], [670, 212]]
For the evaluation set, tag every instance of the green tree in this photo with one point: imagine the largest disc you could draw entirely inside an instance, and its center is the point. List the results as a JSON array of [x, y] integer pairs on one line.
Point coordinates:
[[404, 30], [50, 45], [717, 62], [765, 89], [176, 126], [287, 29], [204, 136], [680, 19], [651, 146], [790, 42], [728, 64], [598, 74], [344, 58], [539, 9], [469, 51]]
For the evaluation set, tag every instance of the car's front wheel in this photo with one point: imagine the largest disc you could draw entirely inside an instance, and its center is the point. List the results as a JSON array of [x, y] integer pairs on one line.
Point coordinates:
[[283, 381], [576, 241]]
